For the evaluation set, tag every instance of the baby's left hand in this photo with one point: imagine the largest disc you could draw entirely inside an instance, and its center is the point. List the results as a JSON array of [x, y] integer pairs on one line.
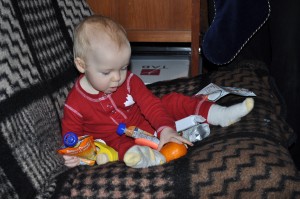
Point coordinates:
[[71, 161], [170, 135]]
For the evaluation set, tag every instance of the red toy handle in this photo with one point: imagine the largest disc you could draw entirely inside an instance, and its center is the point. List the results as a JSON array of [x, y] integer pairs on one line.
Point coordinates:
[[145, 142]]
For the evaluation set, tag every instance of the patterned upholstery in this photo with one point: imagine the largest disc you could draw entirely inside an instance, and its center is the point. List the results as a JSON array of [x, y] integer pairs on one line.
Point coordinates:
[[36, 73], [246, 160], [249, 159]]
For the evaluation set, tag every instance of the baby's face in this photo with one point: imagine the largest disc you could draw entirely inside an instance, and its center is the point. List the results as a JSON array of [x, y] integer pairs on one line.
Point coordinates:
[[106, 66]]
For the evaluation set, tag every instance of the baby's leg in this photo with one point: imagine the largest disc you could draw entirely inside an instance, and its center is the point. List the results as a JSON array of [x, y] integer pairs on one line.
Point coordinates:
[[180, 106], [225, 116], [142, 157]]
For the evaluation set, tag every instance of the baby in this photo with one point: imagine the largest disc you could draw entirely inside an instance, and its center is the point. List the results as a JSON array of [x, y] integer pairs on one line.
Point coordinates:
[[107, 94]]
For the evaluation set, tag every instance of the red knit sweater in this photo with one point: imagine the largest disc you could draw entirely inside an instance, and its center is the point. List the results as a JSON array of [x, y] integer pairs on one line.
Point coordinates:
[[133, 104]]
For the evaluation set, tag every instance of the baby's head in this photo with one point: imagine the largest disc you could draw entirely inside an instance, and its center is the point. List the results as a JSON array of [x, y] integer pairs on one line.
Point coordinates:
[[102, 52]]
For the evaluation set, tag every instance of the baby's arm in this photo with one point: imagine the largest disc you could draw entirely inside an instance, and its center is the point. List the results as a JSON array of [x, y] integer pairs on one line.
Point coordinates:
[[170, 135], [71, 161]]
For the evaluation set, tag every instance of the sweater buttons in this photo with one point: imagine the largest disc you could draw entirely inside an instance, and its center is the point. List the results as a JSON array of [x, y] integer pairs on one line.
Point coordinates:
[[109, 106]]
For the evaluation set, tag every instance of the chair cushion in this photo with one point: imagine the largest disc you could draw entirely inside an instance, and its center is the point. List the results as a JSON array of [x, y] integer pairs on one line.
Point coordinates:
[[248, 159]]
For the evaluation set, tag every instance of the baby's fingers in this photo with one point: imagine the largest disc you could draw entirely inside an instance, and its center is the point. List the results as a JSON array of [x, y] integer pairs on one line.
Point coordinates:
[[160, 145], [181, 140], [71, 161]]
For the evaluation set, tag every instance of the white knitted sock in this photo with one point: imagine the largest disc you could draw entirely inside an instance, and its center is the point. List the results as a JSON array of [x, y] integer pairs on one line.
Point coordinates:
[[142, 157], [225, 116]]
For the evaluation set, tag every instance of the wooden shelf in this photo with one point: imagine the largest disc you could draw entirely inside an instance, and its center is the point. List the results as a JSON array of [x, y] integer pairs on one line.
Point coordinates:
[[157, 21]]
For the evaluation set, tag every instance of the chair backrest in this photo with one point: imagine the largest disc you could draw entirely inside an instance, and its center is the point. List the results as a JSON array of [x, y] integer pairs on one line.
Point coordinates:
[[36, 73]]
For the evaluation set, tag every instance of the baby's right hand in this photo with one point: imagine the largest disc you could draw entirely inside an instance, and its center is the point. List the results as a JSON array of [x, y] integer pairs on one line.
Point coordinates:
[[71, 161]]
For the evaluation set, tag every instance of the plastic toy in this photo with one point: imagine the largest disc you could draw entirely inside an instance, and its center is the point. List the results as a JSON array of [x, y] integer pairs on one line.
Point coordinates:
[[141, 137], [87, 149]]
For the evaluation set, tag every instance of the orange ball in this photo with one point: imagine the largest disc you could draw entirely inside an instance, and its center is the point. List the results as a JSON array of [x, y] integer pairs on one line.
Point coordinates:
[[173, 150]]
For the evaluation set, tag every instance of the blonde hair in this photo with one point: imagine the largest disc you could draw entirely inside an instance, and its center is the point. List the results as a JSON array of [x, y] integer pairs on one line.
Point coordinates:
[[100, 24]]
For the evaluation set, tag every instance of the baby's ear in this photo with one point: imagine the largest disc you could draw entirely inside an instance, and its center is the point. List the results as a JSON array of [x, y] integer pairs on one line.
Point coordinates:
[[80, 65]]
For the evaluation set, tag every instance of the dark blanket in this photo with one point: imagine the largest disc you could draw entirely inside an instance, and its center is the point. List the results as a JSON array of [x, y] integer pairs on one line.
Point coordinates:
[[234, 24], [246, 160]]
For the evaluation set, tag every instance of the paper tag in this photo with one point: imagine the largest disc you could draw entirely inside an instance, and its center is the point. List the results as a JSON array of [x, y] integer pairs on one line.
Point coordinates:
[[214, 92]]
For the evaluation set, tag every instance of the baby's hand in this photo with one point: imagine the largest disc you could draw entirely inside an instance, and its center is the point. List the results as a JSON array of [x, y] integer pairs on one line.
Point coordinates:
[[71, 161], [170, 135]]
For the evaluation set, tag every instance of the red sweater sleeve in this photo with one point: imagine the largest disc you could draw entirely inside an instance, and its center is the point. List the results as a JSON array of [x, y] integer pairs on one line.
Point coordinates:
[[71, 121], [150, 105]]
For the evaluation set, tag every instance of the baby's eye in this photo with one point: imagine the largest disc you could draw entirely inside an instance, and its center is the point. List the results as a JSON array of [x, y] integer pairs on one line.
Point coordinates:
[[124, 68], [105, 73]]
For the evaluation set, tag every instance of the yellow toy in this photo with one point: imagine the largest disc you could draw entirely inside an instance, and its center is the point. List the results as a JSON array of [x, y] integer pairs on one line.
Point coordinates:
[[105, 153]]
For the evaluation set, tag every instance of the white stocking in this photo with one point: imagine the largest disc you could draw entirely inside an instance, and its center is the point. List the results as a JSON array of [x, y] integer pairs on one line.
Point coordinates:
[[142, 157], [225, 116]]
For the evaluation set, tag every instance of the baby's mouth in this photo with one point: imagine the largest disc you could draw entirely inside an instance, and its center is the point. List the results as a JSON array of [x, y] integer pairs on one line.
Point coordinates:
[[113, 89]]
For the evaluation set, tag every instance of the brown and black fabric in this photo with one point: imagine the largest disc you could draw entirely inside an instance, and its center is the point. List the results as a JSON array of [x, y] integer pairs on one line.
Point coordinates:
[[248, 159]]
